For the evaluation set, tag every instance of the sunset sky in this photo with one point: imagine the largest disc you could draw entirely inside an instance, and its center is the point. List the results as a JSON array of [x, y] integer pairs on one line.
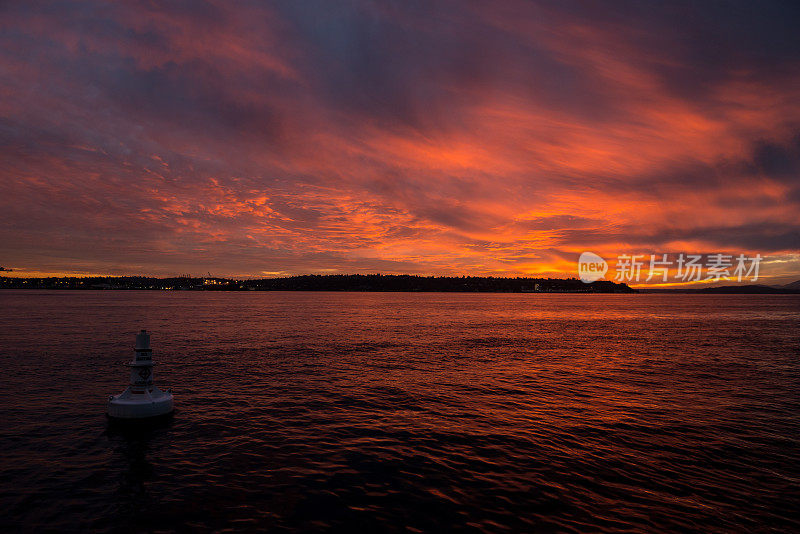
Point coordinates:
[[253, 139]]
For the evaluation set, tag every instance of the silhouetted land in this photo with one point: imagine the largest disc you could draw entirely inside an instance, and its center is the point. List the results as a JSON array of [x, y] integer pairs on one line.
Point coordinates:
[[349, 282]]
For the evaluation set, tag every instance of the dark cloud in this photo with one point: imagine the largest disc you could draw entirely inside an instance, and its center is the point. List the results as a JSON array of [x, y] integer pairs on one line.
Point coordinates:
[[767, 237], [780, 161]]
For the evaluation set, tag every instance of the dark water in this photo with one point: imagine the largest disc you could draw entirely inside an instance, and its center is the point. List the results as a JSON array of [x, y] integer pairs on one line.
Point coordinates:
[[363, 412]]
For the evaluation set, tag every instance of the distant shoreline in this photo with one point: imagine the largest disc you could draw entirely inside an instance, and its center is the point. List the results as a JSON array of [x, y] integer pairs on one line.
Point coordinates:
[[373, 283], [354, 282]]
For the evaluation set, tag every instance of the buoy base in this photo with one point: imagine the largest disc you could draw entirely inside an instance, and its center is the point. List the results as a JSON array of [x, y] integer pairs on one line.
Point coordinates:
[[130, 405]]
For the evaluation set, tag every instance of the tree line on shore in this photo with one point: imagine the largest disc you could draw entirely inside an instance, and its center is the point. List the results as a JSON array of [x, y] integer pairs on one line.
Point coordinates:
[[331, 282]]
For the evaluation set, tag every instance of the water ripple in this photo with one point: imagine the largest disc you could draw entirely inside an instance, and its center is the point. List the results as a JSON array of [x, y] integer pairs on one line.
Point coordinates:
[[492, 413]]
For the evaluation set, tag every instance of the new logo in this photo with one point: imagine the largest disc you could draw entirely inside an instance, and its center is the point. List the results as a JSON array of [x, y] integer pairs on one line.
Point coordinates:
[[591, 267]]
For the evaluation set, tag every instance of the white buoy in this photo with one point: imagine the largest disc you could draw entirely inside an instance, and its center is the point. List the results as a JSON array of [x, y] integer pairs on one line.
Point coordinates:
[[142, 398]]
